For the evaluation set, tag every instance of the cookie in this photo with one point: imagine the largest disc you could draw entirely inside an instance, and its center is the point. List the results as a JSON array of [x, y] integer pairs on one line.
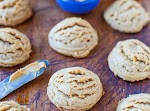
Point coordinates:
[[12, 106], [74, 89], [15, 47], [127, 16], [136, 102], [73, 37], [14, 12], [130, 60]]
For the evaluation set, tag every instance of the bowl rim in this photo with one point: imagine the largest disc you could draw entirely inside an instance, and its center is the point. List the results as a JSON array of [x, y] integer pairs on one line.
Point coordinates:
[[80, 2]]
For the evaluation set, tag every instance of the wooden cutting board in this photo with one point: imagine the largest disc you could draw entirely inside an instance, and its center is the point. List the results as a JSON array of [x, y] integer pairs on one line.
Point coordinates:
[[46, 15]]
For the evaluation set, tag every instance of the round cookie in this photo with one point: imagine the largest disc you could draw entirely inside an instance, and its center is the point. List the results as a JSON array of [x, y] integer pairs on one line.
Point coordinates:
[[73, 37], [127, 16], [130, 60], [12, 106], [14, 12], [15, 47], [74, 89], [136, 102]]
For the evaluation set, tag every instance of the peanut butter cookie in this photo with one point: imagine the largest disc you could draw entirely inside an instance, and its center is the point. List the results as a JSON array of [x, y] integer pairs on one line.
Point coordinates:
[[127, 16], [130, 60], [136, 102], [15, 47], [14, 12], [12, 106], [74, 89], [73, 37]]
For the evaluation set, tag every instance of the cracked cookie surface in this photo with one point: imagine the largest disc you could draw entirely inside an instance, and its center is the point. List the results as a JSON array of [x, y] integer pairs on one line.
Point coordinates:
[[73, 37], [15, 47], [14, 12], [136, 102], [12, 106], [74, 89], [127, 16], [130, 60]]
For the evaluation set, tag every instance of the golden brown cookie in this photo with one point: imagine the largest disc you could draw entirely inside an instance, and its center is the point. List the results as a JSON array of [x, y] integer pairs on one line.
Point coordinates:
[[74, 89], [130, 60], [127, 16], [136, 102], [73, 37], [14, 12], [15, 47], [12, 106]]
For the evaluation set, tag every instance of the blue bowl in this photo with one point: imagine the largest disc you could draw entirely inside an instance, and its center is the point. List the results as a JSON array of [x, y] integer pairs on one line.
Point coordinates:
[[78, 6]]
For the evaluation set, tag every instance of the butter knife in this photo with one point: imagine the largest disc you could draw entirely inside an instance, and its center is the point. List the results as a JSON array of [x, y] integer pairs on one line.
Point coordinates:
[[22, 76]]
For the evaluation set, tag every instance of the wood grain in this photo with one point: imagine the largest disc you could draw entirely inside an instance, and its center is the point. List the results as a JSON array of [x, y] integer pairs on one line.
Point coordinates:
[[46, 15]]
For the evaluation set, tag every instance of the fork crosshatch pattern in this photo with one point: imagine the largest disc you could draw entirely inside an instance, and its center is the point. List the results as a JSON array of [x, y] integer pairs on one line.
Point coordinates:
[[47, 14]]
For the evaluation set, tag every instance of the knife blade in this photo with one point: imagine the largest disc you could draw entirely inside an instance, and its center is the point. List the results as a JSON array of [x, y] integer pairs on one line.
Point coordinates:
[[22, 76]]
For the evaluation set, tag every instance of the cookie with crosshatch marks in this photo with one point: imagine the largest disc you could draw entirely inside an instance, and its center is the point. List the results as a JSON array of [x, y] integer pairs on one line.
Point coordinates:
[[12, 106], [130, 60], [127, 16], [135, 102], [15, 47], [14, 12], [73, 37], [74, 89]]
